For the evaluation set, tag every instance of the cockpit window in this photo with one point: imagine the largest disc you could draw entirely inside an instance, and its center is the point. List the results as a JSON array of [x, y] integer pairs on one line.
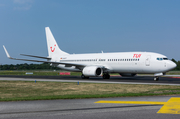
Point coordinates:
[[162, 58], [165, 58]]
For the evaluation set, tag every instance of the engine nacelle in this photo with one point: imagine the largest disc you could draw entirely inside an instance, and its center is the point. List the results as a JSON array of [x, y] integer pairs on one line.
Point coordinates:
[[92, 71], [127, 75]]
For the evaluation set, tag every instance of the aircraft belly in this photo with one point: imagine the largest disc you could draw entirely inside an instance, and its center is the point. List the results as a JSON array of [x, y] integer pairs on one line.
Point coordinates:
[[124, 68], [68, 68]]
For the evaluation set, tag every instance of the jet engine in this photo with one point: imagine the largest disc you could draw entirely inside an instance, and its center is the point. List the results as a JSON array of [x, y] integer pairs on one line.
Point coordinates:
[[92, 71], [127, 74]]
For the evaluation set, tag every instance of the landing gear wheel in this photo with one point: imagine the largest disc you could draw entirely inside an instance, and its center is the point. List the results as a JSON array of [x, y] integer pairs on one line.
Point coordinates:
[[106, 76], [84, 77], [156, 78]]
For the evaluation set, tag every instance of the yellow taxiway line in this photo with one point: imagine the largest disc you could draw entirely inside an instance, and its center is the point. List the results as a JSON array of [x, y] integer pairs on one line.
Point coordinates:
[[132, 102], [170, 107]]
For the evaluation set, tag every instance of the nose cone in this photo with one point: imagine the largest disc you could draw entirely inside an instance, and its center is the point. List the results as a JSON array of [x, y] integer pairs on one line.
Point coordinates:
[[172, 65]]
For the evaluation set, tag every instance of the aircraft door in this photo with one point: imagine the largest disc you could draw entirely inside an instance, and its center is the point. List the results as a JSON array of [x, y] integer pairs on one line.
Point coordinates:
[[147, 62]]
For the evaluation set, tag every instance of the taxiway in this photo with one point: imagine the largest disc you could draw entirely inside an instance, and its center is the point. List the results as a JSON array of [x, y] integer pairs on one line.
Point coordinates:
[[85, 108]]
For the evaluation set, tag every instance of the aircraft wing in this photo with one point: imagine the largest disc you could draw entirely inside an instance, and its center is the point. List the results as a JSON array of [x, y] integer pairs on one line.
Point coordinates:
[[53, 62], [48, 58]]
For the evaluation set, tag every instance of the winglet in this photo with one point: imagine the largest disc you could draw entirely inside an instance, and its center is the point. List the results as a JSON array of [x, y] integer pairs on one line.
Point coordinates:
[[7, 53]]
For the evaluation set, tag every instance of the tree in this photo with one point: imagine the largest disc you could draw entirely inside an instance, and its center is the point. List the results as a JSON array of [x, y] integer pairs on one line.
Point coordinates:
[[174, 60]]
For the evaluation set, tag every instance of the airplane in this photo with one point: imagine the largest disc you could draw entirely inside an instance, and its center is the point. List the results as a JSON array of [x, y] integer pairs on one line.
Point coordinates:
[[102, 64]]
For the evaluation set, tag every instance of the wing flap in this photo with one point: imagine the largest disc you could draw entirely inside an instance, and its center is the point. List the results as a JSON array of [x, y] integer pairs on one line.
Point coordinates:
[[36, 56]]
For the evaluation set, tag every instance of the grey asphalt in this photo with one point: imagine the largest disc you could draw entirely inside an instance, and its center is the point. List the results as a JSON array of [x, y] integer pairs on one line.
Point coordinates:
[[113, 79], [85, 108]]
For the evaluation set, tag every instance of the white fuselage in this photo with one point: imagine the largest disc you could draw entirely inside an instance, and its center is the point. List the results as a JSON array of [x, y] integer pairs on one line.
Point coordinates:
[[121, 62]]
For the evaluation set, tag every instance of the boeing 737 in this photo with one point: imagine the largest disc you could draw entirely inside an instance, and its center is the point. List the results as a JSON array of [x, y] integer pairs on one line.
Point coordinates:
[[102, 64]]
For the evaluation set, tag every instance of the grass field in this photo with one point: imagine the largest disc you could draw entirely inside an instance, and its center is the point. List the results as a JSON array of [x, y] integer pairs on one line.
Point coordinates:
[[55, 73], [24, 90]]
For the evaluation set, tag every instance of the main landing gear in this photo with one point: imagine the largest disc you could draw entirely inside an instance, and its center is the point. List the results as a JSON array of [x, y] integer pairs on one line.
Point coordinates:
[[106, 76], [156, 78], [84, 77]]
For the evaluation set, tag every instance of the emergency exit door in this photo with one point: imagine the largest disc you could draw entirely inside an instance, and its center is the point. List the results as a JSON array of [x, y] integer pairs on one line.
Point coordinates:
[[147, 62]]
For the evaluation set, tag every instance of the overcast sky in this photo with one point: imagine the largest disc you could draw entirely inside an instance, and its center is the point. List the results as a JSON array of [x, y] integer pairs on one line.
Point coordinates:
[[89, 26]]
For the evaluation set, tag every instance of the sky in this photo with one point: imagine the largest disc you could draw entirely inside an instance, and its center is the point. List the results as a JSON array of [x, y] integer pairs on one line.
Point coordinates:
[[89, 26]]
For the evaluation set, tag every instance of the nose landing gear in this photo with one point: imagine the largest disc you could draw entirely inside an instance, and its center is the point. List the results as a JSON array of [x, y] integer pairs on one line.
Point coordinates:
[[156, 78]]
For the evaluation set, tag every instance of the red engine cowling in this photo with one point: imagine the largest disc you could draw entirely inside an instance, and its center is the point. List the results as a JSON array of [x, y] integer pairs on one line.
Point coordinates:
[[92, 71], [127, 74]]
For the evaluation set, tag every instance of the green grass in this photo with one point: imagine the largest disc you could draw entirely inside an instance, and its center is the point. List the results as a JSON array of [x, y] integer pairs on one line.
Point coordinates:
[[25, 90], [173, 73]]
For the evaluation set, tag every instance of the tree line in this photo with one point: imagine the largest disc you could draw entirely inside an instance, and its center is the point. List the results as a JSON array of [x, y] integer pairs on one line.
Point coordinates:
[[46, 66], [25, 66], [177, 63]]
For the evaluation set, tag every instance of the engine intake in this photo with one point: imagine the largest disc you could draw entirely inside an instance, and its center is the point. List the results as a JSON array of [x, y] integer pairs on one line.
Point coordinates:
[[92, 71]]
